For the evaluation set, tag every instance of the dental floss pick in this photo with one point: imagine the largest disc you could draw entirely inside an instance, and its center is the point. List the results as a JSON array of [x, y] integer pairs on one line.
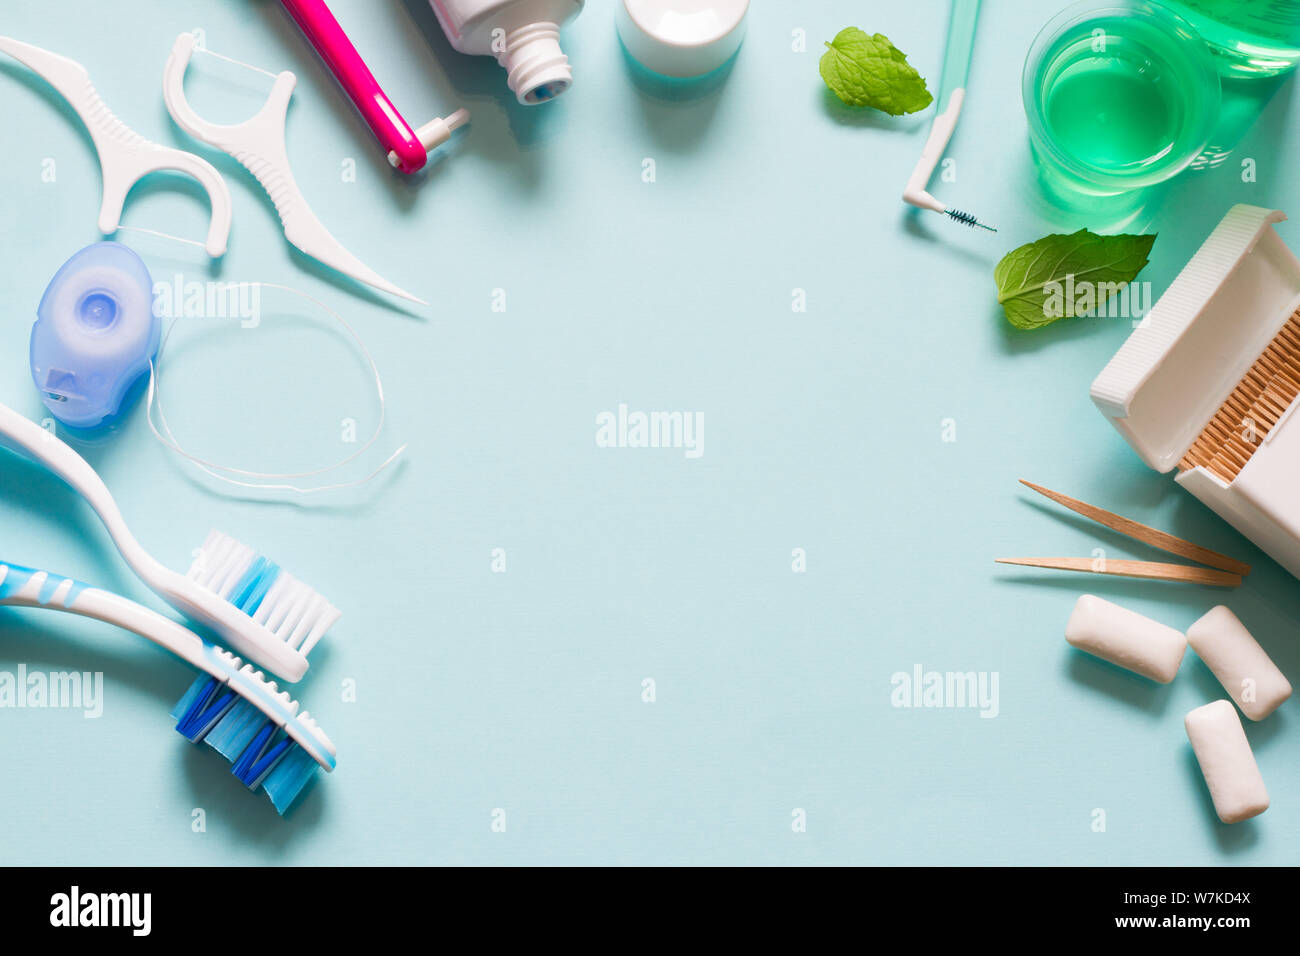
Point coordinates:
[[952, 94], [259, 146], [125, 157], [164, 434]]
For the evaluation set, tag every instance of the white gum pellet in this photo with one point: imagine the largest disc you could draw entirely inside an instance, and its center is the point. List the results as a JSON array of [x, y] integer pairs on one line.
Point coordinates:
[[1249, 676], [1126, 638], [1227, 763]]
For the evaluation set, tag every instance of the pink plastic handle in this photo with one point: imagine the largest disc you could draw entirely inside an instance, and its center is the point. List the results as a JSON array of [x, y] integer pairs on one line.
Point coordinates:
[[341, 57]]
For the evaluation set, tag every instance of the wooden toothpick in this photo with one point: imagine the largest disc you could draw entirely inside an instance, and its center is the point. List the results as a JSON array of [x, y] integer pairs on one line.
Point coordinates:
[[1146, 534], [1151, 570]]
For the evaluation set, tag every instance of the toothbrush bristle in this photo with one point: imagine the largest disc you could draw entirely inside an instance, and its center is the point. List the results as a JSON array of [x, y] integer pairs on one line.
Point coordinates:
[[206, 708], [183, 705], [236, 730], [293, 612], [262, 754], [290, 777], [967, 219], [267, 748]]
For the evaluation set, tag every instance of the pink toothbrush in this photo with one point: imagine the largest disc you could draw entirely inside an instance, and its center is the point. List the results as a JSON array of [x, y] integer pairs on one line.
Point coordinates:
[[408, 150]]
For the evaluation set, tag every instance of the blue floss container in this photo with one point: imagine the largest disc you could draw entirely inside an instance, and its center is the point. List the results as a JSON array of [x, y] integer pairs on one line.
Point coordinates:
[[95, 334]]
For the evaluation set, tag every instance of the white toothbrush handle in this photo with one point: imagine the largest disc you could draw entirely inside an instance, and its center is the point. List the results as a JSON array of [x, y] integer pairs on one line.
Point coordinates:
[[21, 587], [236, 629], [24, 587], [45, 448], [115, 609]]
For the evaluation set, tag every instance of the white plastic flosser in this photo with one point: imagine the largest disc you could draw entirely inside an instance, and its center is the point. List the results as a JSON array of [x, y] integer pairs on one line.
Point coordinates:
[[952, 93], [259, 145], [125, 157]]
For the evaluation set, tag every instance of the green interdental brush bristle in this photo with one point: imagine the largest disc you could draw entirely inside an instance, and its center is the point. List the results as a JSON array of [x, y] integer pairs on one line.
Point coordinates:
[[968, 219]]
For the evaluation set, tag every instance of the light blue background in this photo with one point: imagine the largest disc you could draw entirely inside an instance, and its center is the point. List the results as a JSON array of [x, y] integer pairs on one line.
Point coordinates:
[[822, 431]]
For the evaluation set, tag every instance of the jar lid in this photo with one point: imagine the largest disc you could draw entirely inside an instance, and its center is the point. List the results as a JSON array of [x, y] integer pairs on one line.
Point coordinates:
[[682, 38]]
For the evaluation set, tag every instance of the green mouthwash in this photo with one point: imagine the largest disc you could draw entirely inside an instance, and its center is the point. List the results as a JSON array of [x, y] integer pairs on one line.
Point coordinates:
[[1248, 37], [1115, 98], [1110, 113]]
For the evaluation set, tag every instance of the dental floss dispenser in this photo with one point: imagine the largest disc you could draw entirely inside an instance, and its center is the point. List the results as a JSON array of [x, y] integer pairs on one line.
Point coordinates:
[[1209, 381], [95, 334], [523, 35]]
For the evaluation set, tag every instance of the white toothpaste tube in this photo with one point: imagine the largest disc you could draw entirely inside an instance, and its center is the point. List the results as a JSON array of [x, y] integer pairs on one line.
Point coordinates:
[[1226, 761], [1126, 638], [1249, 676]]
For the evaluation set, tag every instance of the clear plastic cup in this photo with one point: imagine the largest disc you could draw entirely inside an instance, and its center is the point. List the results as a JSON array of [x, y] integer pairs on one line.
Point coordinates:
[[1120, 96], [1249, 38]]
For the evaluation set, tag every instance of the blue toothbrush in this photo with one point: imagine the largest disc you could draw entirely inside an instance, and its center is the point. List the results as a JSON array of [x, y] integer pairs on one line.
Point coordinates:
[[271, 742]]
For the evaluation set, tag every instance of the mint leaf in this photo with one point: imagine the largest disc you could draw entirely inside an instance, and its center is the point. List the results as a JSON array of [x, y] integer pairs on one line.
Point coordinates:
[[1060, 276], [870, 71]]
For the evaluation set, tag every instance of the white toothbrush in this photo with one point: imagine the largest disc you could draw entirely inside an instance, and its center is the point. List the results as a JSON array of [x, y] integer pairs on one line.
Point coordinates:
[[231, 706], [258, 610]]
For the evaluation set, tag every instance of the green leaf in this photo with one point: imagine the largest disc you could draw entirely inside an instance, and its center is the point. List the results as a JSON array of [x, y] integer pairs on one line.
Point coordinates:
[[1059, 276], [870, 71]]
